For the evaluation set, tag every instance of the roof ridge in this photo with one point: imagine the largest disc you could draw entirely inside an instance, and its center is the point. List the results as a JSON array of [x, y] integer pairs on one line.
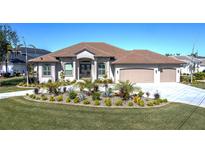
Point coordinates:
[[97, 49]]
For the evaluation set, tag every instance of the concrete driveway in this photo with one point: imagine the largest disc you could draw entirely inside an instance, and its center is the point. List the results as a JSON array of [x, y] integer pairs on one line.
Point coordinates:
[[176, 92]]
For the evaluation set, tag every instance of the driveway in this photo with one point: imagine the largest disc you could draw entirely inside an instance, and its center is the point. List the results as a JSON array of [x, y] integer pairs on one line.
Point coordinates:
[[176, 92]]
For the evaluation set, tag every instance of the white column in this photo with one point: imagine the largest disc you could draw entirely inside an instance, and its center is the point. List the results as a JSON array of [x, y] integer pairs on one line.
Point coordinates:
[[156, 75], [95, 70], [53, 71], [117, 75], [108, 69], [74, 69], [177, 74]]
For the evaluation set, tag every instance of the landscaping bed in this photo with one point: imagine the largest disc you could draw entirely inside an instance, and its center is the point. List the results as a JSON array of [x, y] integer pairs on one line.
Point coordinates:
[[87, 93]]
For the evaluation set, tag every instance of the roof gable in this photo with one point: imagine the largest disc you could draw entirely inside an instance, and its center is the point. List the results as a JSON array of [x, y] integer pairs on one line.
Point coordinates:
[[85, 54]]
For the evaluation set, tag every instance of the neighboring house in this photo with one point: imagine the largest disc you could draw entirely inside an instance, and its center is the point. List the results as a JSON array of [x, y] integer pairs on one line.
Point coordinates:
[[185, 69], [17, 63], [95, 59], [202, 66]]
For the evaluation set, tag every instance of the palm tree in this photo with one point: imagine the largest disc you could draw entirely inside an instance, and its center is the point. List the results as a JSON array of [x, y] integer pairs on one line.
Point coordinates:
[[125, 89]]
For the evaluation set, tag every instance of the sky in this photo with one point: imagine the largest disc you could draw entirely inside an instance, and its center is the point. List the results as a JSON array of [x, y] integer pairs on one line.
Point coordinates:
[[161, 38]]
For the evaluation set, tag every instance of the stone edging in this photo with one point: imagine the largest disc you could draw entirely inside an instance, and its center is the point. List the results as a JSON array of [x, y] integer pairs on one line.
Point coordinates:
[[95, 106]]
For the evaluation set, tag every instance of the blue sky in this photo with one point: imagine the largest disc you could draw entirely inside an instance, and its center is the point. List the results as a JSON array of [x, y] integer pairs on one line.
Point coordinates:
[[161, 38]]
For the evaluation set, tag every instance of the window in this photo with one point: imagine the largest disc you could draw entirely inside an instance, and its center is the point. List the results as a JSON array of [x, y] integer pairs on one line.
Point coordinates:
[[68, 69], [47, 69], [101, 69]]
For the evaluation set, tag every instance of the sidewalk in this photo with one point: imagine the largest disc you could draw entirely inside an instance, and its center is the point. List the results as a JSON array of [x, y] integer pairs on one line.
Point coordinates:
[[13, 94]]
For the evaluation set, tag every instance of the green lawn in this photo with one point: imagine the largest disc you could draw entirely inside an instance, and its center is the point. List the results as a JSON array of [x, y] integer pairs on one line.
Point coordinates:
[[4, 89], [199, 85], [18, 113]]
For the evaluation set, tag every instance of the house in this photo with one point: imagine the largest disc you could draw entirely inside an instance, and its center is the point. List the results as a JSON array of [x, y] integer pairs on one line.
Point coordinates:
[[95, 59], [202, 64], [185, 69], [17, 63]]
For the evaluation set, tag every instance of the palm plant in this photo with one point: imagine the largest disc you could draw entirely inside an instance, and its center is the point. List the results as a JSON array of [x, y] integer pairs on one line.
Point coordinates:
[[81, 85], [89, 85], [125, 89]]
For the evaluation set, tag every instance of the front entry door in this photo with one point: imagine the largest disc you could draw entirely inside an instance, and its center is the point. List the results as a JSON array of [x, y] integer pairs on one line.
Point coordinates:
[[85, 70]]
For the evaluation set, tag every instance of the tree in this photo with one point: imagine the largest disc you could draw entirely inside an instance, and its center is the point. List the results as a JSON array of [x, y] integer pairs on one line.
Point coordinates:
[[8, 41]]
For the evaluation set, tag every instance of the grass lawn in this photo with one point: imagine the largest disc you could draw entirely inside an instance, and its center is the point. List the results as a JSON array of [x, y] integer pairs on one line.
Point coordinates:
[[4, 89], [199, 85], [18, 113]]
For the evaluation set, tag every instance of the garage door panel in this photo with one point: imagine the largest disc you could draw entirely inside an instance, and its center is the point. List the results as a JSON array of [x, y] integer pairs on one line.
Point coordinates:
[[168, 75], [137, 75]]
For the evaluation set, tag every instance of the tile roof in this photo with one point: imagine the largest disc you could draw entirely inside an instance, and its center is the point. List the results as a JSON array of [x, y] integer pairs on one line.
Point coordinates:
[[44, 58], [146, 57], [100, 49]]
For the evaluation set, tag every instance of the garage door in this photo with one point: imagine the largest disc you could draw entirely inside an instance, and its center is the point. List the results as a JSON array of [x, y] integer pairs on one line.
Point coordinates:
[[168, 75], [137, 75]]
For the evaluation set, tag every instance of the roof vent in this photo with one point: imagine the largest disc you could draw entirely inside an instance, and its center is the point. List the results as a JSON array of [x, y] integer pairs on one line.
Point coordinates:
[[41, 58]]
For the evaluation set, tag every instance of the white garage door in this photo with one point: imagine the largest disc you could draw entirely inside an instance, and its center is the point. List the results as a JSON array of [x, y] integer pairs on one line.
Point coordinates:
[[137, 75], [168, 75]]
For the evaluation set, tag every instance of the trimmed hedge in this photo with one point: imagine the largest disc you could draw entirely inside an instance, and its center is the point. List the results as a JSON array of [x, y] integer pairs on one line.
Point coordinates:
[[11, 81]]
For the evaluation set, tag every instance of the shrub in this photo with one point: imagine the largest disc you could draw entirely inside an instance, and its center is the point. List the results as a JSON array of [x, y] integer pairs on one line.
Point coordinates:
[[140, 94], [86, 101], [38, 98], [97, 102], [150, 103], [21, 84], [96, 96], [119, 102], [43, 97], [141, 103], [32, 96], [156, 102], [52, 98], [199, 75], [11, 81], [164, 100], [156, 95], [136, 99], [67, 100], [130, 104], [27, 94], [76, 100], [72, 82], [109, 80], [36, 90], [59, 98], [108, 102], [72, 94]]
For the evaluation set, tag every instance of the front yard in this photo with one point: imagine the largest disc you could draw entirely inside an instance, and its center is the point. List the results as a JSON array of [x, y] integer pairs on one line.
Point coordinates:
[[19, 113]]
